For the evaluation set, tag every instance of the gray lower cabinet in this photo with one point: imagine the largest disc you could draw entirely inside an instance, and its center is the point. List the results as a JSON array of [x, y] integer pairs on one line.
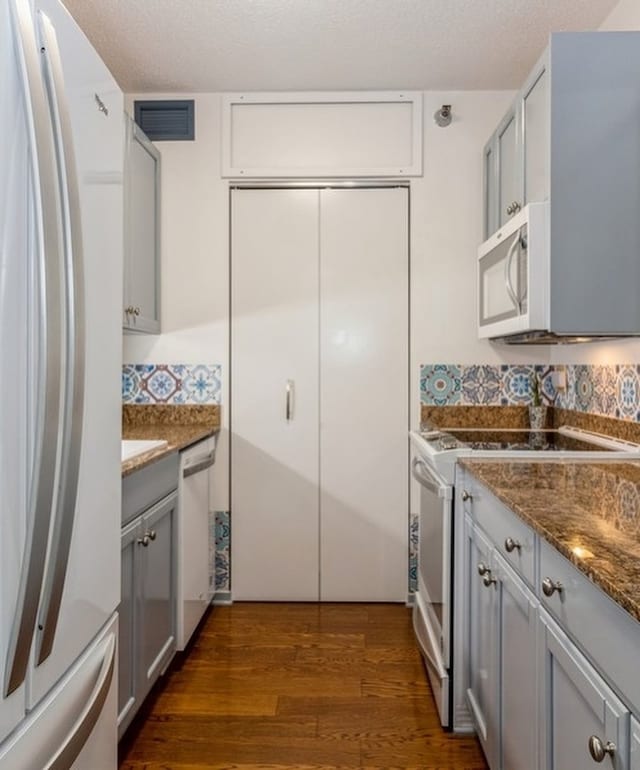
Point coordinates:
[[482, 641], [147, 638], [517, 670], [502, 669], [583, 723], [537, 701]]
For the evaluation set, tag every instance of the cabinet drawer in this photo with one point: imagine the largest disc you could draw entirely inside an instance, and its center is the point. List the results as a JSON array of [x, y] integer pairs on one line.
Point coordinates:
[[606, 633], [515, 540], [142, 489]]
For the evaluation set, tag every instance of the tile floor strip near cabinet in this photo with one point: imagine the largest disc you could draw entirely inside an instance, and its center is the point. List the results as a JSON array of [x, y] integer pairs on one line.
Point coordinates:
[[298, 686]]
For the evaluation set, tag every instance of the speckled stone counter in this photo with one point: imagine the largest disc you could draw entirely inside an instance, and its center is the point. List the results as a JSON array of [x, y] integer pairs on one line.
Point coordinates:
[[180, 426], [590, 512], [475, 416]]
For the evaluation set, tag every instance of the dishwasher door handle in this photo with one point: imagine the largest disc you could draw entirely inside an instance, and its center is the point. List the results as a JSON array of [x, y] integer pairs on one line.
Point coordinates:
[[200, 464]]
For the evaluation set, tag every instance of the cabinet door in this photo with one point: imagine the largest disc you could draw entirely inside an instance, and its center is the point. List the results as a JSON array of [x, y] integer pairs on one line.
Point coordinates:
[[157, 590], [483, 641], [142, 228], [577, 708], [490, 182], [518, 670], [536, 131], [635, 745], [127, 633], [509, 174]]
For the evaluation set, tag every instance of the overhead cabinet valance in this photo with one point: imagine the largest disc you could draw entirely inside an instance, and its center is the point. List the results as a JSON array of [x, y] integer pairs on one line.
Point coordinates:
[[341, 134]]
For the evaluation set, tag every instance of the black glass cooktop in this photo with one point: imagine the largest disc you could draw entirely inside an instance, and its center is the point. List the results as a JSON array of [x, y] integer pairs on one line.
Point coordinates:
[[544, 440]]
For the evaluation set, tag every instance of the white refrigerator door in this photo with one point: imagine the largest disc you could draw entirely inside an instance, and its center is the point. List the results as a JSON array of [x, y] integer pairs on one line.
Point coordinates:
[[14, 253], [91, 590], [73, 727]]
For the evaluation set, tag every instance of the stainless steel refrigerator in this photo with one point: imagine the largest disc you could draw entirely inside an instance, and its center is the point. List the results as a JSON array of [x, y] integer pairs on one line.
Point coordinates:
[[61, 163]]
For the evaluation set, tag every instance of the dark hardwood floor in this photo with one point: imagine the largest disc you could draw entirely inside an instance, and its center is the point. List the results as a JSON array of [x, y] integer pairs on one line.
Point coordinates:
[[297, 686]]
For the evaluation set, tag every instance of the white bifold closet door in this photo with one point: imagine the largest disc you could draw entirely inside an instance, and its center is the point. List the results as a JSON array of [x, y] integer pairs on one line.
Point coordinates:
[[274, 460], [364, 337], [319, 310]]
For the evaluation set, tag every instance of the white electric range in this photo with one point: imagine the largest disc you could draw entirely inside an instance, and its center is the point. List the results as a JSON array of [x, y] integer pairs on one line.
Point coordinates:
[[435, 453]]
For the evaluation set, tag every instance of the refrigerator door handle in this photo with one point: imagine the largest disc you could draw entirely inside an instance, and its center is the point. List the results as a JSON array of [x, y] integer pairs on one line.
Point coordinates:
[[75, 741], [49, 346], [74, 369]]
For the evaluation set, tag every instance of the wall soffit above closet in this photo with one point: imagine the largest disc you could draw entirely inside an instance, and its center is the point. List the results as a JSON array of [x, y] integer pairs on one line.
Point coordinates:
[[320, 135]]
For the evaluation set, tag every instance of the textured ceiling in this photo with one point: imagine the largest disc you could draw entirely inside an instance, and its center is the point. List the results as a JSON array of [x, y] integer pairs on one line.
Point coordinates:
[[271, 45]]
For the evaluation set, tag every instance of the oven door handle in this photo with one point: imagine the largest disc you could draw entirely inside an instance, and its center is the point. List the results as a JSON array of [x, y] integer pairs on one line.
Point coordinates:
[[427, 477]]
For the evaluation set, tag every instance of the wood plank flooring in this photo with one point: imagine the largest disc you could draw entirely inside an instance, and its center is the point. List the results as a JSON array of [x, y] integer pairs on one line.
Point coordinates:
[[307, 686]]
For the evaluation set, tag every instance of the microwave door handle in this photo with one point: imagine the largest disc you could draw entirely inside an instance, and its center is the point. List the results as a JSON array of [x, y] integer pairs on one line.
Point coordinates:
[[507, 272], [522, 240]]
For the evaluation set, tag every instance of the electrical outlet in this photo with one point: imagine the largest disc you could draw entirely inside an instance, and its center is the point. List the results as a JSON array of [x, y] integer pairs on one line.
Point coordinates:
[[559, 379]]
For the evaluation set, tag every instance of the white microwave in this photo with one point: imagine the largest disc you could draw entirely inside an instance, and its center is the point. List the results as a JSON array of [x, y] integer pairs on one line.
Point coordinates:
[[513, 276]]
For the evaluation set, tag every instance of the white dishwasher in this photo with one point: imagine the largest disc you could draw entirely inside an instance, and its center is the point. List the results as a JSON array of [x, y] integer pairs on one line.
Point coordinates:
[[193, 589]]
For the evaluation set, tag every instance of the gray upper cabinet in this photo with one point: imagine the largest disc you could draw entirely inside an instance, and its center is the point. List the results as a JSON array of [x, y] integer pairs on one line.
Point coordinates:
[[577, 150], [141, 309], [516, 157]]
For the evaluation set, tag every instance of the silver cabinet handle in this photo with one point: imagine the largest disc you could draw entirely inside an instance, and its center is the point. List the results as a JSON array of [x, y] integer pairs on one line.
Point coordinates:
[[136, 310], [511, 545], [144, 540], [152, 534], [599, 750], [289, 393], [466, 496], [549, 587], [482, 568], [130, 310], [488, 579]]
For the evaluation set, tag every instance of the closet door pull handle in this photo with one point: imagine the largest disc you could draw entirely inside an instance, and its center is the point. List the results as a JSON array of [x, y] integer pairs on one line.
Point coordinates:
[[289, 389]]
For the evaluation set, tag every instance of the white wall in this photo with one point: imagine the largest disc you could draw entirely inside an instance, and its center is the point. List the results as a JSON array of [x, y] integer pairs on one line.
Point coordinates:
[[446, 217]]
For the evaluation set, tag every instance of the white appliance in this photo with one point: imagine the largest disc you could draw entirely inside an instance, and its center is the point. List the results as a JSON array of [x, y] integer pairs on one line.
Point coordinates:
[[61, 160], [513, 270], [433, 466], [193, 589]]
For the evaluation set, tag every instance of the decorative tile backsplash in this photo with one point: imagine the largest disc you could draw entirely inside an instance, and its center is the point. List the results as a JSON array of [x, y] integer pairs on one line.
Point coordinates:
[[482, 384], [171, 384], [222, 551], [609, 391]]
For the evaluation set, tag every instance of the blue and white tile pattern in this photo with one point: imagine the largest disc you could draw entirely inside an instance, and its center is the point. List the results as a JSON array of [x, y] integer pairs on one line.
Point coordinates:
[[176, 384]]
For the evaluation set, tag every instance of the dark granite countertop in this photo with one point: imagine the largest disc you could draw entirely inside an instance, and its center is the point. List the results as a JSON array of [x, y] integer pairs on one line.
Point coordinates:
[[180, 426], [589, 512]]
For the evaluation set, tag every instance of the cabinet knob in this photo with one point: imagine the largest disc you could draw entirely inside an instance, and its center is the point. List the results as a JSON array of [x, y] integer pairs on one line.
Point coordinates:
[[511, 545], [136, 311], [549, 587], [144, 541], [599, 750], [152, 534], [466, 496], [488, 579], [130, 310], [482, 568]]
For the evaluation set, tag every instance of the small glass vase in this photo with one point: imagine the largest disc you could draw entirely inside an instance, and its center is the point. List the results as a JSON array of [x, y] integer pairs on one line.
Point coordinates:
[[537, 417]]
